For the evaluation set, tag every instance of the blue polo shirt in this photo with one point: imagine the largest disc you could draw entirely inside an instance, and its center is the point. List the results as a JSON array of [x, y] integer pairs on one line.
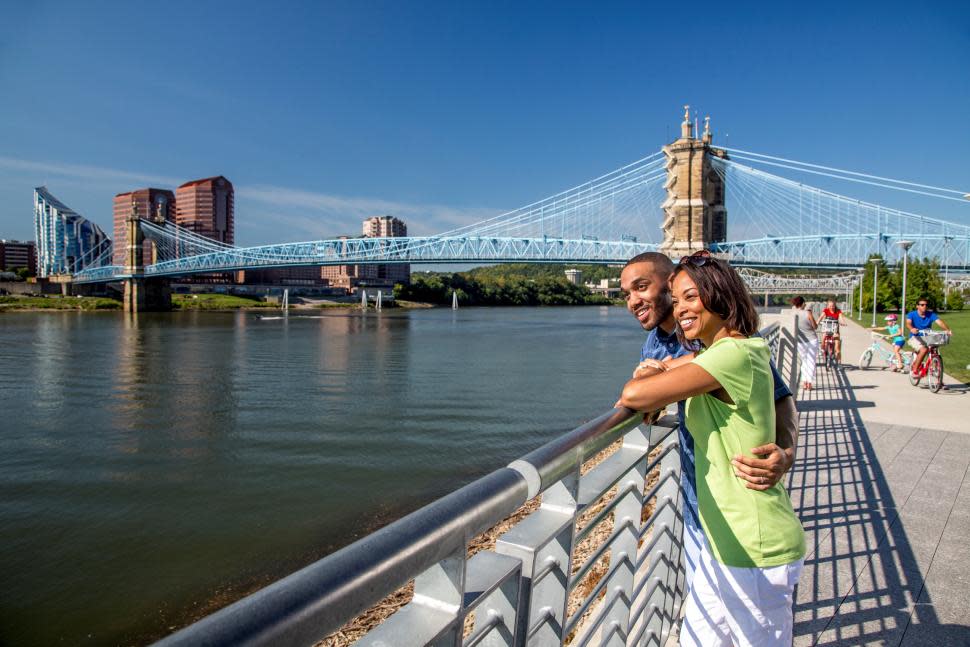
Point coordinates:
[[921, 323], [660, 345]]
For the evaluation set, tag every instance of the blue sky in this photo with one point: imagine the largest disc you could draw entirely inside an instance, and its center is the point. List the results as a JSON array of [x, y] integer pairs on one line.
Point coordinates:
[[443, 113]]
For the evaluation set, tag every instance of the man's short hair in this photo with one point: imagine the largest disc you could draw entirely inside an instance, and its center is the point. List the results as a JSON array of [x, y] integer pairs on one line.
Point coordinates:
[[661, 262]]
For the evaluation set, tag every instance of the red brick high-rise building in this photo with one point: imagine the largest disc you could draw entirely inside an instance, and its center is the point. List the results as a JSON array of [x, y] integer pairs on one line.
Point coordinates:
[[152, 204], [206, 207]]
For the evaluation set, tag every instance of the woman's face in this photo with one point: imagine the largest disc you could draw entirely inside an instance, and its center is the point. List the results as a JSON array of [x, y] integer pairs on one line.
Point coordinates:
[[696, 321]]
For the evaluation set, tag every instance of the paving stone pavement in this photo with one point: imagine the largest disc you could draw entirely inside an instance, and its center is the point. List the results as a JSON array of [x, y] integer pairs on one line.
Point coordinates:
[[886, 510]]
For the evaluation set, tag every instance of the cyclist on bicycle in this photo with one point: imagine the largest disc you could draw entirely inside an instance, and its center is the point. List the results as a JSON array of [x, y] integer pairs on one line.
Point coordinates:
[[919, 321], [894, 331], [833, 313]]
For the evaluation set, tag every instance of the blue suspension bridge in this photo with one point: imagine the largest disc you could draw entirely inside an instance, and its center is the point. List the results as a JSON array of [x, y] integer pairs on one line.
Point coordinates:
[[687, 196]]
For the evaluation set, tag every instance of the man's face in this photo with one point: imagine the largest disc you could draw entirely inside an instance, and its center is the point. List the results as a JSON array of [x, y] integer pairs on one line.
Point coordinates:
[[647, 294], [921, 308]]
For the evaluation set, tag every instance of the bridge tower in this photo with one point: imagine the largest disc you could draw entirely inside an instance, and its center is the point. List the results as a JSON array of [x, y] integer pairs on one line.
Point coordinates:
[[142, 294], [694, 211]]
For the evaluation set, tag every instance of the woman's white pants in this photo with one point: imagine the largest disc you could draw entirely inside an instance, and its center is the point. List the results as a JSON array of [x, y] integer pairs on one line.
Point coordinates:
[[807, 356], [746, 607]]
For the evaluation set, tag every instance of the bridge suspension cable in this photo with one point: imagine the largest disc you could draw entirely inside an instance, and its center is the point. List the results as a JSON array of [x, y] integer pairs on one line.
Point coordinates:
[[851, 176], [97, 256], [173, 242], [774, 219], [621, 205]]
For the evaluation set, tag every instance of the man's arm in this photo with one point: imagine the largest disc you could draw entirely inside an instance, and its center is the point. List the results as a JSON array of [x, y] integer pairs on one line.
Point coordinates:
[[943, 325], [779, 456]]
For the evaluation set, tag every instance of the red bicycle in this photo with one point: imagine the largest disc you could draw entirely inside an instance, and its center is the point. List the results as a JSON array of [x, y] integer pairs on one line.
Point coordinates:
[[932, 366], [829, 328]]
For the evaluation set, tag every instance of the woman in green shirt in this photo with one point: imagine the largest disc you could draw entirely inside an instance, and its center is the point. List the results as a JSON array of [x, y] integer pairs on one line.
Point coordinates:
[[742, 593]]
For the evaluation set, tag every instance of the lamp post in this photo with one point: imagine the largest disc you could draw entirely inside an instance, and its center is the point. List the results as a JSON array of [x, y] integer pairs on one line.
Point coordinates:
[[905, 245], [862, 275], [946, 270], [875, 281]]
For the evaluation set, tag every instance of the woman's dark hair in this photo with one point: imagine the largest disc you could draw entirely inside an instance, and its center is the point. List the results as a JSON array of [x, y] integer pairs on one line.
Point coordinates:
[[722, 292], [798, 302]]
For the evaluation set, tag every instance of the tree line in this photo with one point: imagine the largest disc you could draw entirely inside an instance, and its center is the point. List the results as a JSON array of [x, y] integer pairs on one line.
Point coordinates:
[[510, 284], [923, 279]]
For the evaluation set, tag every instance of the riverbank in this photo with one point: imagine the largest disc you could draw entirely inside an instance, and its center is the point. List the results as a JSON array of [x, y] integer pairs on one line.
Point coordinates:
[[211, 301], [42, 303]]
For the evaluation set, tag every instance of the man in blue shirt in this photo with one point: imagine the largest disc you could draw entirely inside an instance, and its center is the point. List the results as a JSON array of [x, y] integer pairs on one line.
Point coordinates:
[[919, 320], [644, 282]]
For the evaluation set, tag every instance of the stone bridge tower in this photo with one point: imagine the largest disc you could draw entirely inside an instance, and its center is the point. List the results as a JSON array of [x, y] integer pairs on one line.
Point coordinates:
[[142, 294], [694, 211]]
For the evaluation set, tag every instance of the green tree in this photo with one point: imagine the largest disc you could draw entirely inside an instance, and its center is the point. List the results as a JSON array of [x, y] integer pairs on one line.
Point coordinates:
[[956, 300], [923, 280], [884, 288]]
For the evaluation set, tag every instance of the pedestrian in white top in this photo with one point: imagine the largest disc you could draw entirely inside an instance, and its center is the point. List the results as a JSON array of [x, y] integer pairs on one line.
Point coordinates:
[[805, 326]]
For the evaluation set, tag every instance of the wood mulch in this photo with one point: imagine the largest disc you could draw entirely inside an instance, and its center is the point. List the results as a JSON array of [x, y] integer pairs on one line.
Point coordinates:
[[359, 626]]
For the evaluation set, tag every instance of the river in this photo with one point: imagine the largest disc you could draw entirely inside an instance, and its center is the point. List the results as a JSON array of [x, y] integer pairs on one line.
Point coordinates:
[[154, 468]]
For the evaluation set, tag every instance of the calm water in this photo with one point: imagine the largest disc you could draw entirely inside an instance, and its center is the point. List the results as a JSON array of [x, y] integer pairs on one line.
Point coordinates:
[[154, 469]]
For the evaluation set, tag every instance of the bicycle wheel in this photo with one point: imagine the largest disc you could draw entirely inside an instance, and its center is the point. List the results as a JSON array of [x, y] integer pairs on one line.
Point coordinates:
[[914, 378], [935, 374], [866, 360]]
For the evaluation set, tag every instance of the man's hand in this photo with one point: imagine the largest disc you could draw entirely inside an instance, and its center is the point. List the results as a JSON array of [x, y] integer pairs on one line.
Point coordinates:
[[763, 473]]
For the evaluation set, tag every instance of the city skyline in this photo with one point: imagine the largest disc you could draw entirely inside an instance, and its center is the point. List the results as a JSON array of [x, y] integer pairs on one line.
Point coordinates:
[[443, 118]]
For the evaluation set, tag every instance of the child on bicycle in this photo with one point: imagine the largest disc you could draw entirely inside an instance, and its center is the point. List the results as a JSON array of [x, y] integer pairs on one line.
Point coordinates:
[[832, 312], [895, 332]]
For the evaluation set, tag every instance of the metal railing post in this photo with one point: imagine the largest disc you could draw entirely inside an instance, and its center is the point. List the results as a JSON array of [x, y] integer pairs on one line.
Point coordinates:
[[676, 579], [661, 560], [623, 551], [544, 544]]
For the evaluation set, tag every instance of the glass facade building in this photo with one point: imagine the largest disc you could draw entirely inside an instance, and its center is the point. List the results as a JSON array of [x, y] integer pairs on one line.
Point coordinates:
[[66, 241]]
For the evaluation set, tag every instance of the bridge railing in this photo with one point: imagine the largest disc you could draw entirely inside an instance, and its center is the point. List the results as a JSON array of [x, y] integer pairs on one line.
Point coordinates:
[[535, 587]]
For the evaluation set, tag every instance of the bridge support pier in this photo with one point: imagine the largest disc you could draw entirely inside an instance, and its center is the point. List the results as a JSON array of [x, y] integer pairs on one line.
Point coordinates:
[[147, 295], [142, 294]]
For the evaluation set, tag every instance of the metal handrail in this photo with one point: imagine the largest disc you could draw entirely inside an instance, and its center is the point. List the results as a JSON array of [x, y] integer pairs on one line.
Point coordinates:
[[429, 546]]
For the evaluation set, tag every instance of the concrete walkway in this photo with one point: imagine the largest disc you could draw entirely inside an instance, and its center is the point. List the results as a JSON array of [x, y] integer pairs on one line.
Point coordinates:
[[882, 487]]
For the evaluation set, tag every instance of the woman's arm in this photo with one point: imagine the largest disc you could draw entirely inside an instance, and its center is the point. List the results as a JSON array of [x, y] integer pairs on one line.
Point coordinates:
[[811, 320], [650, 393], [674, 362]]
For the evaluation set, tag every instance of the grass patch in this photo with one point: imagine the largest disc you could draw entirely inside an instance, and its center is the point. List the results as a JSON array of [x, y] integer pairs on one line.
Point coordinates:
[[956, 354], [58, 303], [216, 302]]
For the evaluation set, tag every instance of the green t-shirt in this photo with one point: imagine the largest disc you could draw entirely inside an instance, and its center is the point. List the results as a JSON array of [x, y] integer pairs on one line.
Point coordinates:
[[745, 528]]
